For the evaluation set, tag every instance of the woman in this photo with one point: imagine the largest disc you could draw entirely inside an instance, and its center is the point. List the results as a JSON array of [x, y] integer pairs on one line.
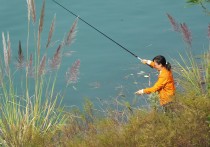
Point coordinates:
[[165, 83]]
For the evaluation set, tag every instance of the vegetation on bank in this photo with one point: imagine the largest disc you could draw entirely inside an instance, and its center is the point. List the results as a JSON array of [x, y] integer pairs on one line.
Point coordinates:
[[33, 117]]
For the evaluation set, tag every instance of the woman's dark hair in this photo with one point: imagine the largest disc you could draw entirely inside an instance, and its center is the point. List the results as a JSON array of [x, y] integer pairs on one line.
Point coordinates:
[[161, 60]]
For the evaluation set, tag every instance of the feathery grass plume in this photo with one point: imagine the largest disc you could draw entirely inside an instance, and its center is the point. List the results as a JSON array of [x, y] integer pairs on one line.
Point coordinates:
[[72, 33], [41, 22], [209, 31], [6, 59], [30, 66], [51, 31], [73, 73], [42, 65], [8, 47], [20, 58], [186, 34], [55, 62], [174, 24], [33, 10], [29, 9]]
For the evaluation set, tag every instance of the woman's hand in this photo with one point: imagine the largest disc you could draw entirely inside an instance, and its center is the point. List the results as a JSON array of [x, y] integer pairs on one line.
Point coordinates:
[[140, 92], [144, 61]]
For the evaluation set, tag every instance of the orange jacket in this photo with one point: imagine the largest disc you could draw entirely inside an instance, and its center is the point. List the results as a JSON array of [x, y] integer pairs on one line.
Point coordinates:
[[164, 85]]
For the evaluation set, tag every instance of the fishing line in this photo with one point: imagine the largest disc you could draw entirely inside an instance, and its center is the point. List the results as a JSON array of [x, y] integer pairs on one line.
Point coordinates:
[[97, 30]]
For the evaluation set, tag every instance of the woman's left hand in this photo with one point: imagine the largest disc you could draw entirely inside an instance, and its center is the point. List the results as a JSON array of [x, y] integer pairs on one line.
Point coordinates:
[[140, 92]]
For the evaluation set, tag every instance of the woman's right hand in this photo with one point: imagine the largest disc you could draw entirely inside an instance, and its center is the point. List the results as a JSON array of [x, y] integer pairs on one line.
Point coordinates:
[[144, 61]]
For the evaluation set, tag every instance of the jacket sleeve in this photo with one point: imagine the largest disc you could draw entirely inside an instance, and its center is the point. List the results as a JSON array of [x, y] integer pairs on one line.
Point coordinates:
[[157, 86]]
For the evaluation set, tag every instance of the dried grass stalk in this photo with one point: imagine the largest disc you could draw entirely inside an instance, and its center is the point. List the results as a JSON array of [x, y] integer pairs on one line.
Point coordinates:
[[51, 31], [33, 10], [186, 34], [55, 62], [72, 33], [41, 21], [6, 61], [73, 73], [174, 24], [8, 48], [29, 8], [42, 65], [20, 58], [30, 66]]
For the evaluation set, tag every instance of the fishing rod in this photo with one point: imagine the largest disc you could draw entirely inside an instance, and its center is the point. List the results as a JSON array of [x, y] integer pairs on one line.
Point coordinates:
[[97, 30]]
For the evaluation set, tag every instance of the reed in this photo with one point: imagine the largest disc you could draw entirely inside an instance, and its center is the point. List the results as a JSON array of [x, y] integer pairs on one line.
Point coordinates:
[[186, 34], [41, 23], [73, 73], [20, 58], [174, 24], [72, 33], [32, 8], [5, 51], [52, 27], [30, 114], [8, 48], [56, 61], [182, 29], [42, 66]]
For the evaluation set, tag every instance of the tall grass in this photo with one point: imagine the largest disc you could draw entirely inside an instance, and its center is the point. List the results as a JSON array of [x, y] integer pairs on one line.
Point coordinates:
[[192, 70], [186, 126], [34, 109]]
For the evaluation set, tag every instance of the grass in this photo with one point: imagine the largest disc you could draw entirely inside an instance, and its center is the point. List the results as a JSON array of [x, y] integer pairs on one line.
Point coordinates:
[[33, 115], [187, 126], [32, 110]]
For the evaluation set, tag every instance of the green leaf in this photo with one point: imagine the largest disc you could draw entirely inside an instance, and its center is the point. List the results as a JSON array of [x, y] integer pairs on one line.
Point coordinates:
[[194, 1]]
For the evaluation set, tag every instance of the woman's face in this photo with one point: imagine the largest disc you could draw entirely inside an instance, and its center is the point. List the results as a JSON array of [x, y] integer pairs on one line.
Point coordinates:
[[158, 66]]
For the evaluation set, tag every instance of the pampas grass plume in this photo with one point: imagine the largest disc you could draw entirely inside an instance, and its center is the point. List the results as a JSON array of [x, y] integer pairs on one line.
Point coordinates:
[[29, 8], [5, 51], [20, 58], [30, 66], [173, 22], [186, 34], [41, 21], [33, 10], [42, 65], [73, 73], [72, 33], [55, 62], [51, 31], [8, 47]]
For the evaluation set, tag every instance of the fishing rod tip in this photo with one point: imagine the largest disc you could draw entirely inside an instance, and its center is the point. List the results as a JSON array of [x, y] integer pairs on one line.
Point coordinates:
[[139, 58]]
